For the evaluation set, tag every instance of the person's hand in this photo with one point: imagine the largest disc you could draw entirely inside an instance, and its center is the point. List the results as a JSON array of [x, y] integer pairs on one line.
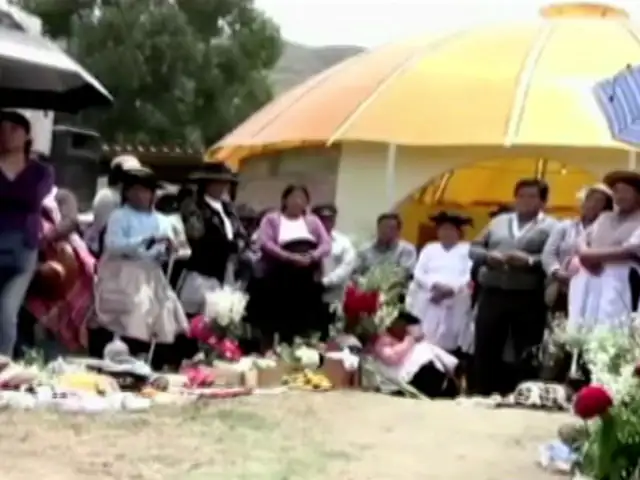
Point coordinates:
[[301, 260], [168, 242], [590, 260], [49, 237], [517, 258], [442, 289], [438, 296], [149, 242], [440, 292], [560, 275], [417, 335], [415, 332], [495, 259]]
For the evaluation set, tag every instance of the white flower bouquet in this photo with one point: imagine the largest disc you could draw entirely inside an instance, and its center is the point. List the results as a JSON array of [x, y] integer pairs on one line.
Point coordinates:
[[225, 308]]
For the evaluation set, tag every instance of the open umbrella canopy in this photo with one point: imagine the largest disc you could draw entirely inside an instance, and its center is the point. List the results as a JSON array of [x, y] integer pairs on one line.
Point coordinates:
[[509, 85], [36, 73], [490, 183], [619, 99]]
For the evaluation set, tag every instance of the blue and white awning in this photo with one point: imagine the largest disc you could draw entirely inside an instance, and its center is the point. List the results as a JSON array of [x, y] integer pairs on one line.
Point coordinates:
[[619, 100]]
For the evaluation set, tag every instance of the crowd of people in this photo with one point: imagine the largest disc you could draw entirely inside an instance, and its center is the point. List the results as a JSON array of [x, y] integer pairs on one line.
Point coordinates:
[[479, 305]]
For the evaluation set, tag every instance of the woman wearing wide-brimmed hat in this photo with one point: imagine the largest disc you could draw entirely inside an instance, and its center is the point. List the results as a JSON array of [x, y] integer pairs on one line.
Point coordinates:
[[134, 300], [214, 233], [107, 200], [600, 292], [563, 243]]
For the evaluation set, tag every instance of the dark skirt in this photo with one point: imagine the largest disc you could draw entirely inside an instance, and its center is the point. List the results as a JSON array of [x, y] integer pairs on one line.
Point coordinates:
[[434, 383], [287, 299]]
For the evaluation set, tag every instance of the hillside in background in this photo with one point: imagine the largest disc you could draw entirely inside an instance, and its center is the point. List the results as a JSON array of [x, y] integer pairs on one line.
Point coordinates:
[[299, 62]]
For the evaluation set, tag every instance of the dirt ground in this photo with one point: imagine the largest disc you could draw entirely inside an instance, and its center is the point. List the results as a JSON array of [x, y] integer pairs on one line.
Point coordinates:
[[305, 436]]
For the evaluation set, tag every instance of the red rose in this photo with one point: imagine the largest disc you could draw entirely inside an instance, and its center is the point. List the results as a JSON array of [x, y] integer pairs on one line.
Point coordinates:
[[358, 303], [370, 302], [229, 349], [592, 401], [212, 341], [350, 303], [199, 377], [199, 329]]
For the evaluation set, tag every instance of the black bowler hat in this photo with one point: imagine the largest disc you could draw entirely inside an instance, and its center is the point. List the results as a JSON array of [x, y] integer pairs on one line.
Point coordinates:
[[214, 172], [442, 218]]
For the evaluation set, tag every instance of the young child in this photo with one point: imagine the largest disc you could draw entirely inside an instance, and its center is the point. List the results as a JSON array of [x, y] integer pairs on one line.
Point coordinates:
[[403, 354]]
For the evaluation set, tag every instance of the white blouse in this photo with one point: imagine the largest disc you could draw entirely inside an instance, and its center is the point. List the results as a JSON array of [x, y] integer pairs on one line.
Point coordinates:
[[226, 221], [293, 229]]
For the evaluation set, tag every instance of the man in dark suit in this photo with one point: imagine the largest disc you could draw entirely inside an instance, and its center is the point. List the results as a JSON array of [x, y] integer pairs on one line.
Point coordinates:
[[475, 268], [213, 230]]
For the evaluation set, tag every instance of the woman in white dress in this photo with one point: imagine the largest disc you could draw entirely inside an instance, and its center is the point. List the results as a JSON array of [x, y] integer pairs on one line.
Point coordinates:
[[440, 295], [563, 243], [600, 293]]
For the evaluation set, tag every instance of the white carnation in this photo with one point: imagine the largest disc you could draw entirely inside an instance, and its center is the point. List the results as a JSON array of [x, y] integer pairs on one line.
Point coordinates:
[[225, 306], [308, 357]]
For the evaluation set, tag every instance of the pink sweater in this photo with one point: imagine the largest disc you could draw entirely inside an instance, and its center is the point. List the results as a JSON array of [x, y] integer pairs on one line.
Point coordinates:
[[269, 229], [392, 351]]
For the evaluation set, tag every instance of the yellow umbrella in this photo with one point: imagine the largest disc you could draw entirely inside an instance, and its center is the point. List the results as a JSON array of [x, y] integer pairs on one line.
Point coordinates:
[[478, 189], [520, 86], [490, 183]]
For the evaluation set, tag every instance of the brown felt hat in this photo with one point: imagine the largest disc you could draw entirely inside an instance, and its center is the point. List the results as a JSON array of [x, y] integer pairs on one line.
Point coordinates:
[[628, 177]]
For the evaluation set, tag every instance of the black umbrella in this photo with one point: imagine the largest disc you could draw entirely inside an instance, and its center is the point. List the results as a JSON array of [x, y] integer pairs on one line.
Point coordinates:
[[36, 73]]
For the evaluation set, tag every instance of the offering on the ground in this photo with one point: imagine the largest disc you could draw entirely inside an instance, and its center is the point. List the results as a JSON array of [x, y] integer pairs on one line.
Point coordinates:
[[308, 380], [270, 372]]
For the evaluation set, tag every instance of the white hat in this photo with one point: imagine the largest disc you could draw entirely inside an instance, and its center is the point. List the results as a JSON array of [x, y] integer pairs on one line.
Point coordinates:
[[126, 162], [598, 187]]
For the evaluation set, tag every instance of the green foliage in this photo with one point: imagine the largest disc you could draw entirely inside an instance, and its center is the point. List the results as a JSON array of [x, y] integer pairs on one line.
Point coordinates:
[[612, 451], [182, 72]]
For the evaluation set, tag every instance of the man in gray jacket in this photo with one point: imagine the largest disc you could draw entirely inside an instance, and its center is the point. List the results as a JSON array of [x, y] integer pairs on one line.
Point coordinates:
[[511, 278]]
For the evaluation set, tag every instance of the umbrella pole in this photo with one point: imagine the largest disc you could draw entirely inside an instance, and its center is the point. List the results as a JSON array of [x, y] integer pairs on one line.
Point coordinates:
[[392, 151], [633, 159]]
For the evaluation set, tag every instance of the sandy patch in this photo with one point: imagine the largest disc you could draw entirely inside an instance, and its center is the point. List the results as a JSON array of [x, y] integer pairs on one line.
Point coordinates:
[[306, 436]]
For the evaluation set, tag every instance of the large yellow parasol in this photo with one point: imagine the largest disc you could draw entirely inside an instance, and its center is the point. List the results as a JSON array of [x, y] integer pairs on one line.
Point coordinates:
[[518, 85]]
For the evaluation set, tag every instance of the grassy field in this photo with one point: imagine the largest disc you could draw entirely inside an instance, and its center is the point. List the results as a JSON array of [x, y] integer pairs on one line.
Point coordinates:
[[306, 436]]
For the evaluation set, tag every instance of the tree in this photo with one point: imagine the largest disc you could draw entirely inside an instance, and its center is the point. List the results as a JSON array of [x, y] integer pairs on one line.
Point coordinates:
[[182, 71]]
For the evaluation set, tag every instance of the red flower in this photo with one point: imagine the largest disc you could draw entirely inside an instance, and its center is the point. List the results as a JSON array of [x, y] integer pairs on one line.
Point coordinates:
[[592, 401], [199, 377], [213, 341], [350, 302], [370, 302], [359, 303], [228, 349], [199, 329]]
